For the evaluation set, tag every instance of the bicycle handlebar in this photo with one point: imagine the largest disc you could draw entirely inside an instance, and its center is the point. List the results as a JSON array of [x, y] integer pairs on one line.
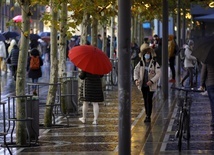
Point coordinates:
[[186, 89]]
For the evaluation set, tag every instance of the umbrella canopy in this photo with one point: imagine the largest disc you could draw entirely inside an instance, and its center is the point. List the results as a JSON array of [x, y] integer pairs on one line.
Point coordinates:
[[44, 34], [204, 50], [90, 59], [10, 34], [2, 38], [206, 18], [18, 19]]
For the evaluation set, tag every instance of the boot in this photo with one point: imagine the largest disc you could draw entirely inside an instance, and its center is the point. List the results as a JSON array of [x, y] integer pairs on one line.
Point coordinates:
[[84, 112], [96, 113]]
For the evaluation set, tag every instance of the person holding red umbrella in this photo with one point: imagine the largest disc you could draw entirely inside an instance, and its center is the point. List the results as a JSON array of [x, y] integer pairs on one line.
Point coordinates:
[[90, 91], [94, 63]]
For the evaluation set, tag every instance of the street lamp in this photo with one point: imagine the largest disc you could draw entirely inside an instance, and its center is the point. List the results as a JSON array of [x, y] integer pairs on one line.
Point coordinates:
[[211, 5]]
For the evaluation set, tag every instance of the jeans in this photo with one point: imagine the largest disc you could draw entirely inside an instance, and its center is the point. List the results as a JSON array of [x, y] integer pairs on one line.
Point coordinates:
[[210, 90], [34, 81], [190, 75]]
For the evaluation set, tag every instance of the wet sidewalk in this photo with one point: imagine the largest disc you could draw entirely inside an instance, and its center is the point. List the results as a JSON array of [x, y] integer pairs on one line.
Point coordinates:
[[157, 137]]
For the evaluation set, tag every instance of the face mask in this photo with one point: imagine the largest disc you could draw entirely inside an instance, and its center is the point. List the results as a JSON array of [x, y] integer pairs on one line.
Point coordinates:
[[147, 56]]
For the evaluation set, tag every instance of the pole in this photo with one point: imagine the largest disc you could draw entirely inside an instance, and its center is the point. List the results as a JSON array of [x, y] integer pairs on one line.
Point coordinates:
[[124, 76], [3, 17], [112, 39], [165, 49], [178, 40], [184, 25]]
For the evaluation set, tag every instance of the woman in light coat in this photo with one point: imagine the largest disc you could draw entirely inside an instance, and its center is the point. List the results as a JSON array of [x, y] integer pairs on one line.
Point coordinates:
[[3, 55], [146, 75], [188, 63]]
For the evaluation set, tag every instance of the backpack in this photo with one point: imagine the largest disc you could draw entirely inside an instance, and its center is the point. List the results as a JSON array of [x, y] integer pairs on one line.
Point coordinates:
[[176, 50], [34, 63], [182, 53]]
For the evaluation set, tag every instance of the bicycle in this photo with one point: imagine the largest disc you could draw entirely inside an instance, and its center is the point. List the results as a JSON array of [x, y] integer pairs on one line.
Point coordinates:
[[183, 131]]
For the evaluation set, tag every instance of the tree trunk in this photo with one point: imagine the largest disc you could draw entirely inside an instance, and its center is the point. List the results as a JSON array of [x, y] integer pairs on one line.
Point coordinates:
[[112, 38], [139, 31], [63, 55], [94, 32], [21, 72], [84, 26], [104, 41], [53, 66]]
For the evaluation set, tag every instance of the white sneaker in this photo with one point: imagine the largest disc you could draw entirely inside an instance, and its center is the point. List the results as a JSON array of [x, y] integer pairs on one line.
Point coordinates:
[[204, 93], [95, 123], [83, 120], [201, 88]]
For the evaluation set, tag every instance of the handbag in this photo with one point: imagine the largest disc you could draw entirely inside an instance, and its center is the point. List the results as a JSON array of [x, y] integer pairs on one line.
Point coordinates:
[[8, 60]]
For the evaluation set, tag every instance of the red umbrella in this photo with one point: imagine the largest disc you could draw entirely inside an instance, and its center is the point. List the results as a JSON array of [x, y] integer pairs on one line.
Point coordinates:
[[18, 19], [90, 59]]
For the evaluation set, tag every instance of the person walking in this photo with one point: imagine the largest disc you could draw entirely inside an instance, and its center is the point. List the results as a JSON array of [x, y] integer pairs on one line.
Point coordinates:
[[14, 57], [34, 64], [146, 75], [10, 47], [3, 55], [90, 92], [189, 63], [207, 77], [171, 51]]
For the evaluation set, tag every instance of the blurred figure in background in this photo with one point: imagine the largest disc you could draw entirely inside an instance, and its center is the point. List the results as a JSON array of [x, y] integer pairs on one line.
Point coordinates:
[[14, 57], [207, 76], [171, 52], [34, 64], [189, 61], [3, 55]]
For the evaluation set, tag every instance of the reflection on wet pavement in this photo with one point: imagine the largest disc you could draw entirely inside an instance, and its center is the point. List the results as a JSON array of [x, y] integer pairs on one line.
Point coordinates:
[[155, 138]]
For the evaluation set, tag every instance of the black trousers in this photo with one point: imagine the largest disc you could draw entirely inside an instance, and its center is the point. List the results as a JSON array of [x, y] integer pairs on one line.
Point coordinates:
[[147, 95], [190, 75], [172, 66]]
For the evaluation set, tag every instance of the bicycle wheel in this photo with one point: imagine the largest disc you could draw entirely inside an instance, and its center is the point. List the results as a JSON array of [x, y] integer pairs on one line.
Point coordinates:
[[186, 126], [180, 131], [114, 79]]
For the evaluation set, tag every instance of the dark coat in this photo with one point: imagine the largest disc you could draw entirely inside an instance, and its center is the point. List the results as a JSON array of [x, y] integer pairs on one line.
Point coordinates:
[[91, 87], [34, 74], [14, 55]]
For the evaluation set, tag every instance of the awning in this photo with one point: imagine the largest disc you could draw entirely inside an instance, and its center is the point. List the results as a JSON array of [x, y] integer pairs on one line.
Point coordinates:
[[206, 18]]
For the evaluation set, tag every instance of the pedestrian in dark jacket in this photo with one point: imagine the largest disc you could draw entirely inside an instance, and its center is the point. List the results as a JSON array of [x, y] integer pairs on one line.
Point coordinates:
[[34, 74], [90, 91], [14, 57], [207, 77]]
